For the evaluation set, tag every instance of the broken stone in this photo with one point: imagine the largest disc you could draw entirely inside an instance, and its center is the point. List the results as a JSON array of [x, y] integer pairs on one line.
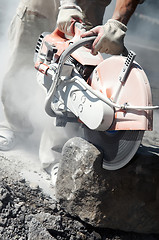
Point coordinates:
[[125, 199], [37, 231], [4, 194]]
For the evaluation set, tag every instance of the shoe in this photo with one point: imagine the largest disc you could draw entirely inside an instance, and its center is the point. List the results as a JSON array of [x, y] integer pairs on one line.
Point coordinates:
[[7, 139]]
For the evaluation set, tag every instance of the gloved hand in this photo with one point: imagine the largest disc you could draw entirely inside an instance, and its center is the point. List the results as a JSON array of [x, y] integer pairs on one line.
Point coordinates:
[[110, 37], [68, 14]]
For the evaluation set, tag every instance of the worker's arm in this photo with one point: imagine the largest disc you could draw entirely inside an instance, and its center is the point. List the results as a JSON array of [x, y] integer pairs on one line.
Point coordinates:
[[124, 10], [110, 37]]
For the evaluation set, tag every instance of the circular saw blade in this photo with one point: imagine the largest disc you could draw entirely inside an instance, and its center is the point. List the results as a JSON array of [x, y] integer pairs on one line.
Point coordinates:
[[118, 147]]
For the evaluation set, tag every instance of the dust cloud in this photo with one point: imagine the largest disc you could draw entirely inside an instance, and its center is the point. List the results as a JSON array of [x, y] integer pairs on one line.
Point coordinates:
[[28, 106], [7, 11], [24, 103]]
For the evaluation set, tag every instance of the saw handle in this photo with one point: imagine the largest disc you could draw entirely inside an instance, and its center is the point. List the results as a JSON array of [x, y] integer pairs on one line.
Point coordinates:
[[77, 28], [57, 79]]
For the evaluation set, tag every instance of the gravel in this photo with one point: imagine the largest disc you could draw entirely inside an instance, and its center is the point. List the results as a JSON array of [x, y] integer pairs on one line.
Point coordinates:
[[27, 213]]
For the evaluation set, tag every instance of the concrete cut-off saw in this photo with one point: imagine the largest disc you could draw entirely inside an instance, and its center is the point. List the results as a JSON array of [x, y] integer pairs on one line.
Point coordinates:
[[110, 97]]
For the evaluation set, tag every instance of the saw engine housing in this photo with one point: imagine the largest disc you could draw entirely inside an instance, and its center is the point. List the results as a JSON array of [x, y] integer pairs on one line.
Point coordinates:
[[106, 95]]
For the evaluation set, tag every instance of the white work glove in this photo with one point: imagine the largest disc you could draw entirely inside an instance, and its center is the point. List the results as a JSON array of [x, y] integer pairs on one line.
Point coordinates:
[[69, 13], [110, 37]]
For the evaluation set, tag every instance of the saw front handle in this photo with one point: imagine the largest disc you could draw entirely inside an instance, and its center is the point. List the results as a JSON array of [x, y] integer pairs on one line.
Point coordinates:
[[57, 78]]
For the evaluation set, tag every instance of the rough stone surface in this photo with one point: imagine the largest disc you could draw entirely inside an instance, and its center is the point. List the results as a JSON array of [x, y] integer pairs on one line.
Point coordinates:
[[126, 199], [29, 214]]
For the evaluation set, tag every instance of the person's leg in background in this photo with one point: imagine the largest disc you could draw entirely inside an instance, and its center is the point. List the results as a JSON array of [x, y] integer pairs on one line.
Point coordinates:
[[20, 91]]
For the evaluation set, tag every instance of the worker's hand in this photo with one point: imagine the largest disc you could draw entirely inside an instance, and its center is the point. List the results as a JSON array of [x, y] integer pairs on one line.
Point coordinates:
[[66, 18], [110, 37]]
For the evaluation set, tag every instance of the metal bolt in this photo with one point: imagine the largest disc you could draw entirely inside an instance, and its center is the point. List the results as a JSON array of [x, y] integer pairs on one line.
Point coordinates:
[[83, 99], [73, 96], [80, 108]]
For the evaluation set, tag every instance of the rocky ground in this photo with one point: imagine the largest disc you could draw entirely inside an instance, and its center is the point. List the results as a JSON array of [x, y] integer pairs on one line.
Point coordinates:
[[28, 209], [27, 213]]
